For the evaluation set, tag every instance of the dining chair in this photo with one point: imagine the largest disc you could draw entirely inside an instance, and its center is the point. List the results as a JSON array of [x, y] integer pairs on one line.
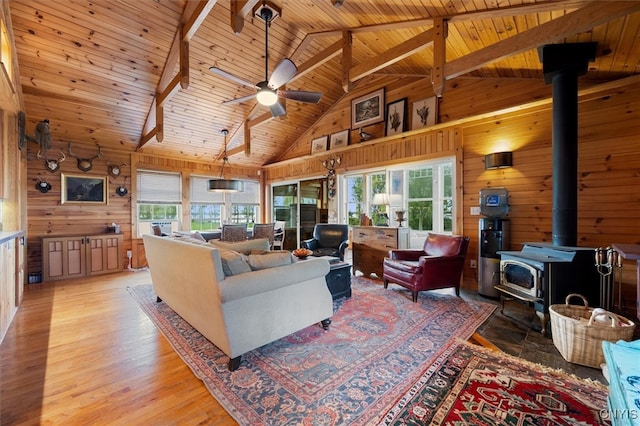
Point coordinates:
[[264, 230], [234, 232], [278, 235]]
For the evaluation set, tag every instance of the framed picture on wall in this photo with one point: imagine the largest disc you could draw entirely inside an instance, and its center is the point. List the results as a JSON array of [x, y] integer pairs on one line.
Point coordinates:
[[78, 189], [339, 139], [424, 113], [319, 144], [396, 117], [367, 109]]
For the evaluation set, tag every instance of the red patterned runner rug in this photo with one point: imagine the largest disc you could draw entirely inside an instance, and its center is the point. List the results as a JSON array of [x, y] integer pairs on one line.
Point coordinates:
[[378, 344], [472, 385]]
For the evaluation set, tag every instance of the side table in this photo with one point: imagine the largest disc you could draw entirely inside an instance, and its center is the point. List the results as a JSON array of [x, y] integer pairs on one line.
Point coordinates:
[[339, 279]]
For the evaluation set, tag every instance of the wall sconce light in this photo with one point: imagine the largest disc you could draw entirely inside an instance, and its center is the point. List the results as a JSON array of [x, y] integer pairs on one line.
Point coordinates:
[[498, 160]]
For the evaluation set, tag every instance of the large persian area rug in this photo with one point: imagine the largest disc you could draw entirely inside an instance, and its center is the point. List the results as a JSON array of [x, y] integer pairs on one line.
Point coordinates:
[[472, 385], [379, 343]]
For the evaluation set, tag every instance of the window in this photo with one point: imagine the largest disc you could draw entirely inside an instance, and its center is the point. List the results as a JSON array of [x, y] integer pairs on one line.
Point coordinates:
[[355, 199], [430, 197], [423, 190], [245, 205], [210, 209], [360, 190], [159, 200], [206, 207]]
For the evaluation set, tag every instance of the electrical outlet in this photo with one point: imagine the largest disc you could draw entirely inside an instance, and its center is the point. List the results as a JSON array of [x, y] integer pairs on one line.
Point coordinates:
[[129, 254], [473, 264]]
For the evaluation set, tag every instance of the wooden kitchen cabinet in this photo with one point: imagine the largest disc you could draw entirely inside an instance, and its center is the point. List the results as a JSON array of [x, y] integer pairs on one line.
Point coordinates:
[[371, 244], [66, 257]]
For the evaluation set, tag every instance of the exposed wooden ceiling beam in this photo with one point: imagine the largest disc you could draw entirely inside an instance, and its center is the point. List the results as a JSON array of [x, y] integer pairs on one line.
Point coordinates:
[[192, 17], [439, 56], [240, 9], [391, 56], [347, 57], [583, 19]]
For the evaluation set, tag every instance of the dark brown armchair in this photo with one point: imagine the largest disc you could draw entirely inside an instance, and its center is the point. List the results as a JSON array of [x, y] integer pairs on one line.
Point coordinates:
[[438, 265]]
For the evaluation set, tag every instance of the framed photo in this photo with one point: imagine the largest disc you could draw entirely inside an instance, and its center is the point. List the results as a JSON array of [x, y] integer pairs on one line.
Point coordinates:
[[339, 139], [396, 117], [424, 113], [319, 144], [367, 109], [77, 189]]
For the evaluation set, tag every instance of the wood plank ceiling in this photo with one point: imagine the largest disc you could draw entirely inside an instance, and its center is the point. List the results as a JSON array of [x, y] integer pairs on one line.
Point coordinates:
[[93, 68]]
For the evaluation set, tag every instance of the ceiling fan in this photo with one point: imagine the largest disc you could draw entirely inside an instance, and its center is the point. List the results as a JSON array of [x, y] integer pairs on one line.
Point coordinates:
[[268, 91]]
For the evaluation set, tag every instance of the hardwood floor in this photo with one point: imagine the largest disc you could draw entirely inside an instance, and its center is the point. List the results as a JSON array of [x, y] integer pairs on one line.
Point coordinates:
[[83, 352]]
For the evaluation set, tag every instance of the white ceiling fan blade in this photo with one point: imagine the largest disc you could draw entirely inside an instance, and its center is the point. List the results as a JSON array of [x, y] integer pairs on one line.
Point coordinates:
[[239, 100], [277, 109], [232, 77], [284, 72], [300, 96]]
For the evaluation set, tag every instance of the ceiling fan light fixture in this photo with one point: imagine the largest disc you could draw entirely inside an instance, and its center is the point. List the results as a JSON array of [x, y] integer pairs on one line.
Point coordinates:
[[266, 95]]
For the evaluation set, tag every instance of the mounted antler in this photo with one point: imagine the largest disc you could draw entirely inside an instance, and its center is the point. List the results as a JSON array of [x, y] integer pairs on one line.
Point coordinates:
[[52, 165], [115, 170], [85, 164]]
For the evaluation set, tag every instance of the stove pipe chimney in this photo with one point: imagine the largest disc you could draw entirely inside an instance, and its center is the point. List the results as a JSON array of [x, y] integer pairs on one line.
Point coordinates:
[[562, 64]]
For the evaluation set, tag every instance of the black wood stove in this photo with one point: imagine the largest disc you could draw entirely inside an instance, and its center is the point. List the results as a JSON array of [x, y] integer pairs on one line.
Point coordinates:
[[543, 274]]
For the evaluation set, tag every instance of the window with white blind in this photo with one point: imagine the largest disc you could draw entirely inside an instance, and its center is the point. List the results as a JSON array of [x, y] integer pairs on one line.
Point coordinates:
[[159, 200], [206, 207], [245, 205], [210, 209]]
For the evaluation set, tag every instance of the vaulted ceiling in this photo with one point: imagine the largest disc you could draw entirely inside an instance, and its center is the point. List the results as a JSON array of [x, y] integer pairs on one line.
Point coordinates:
[[134, 74]]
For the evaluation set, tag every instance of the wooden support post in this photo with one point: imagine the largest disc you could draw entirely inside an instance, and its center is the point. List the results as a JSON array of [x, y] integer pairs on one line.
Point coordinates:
[[347, 46], [439, 55]]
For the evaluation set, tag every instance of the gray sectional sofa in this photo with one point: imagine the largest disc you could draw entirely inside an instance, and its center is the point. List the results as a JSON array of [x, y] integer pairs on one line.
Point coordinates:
[[244, 309]]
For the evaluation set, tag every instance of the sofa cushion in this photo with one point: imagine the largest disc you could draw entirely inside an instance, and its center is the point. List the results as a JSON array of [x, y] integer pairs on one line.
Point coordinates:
[[268, 259], [243, 247], [233, 263]]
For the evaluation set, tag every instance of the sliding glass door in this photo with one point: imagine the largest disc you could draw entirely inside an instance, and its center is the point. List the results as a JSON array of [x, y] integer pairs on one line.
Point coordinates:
[[300, 205]]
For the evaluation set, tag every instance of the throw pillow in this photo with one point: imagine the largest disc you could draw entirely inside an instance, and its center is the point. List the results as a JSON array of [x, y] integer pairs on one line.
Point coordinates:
[[269, 260], [243, 247], [233, 263]]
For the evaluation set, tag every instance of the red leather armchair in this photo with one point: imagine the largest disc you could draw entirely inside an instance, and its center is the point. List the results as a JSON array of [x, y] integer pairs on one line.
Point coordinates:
[[438, 265]]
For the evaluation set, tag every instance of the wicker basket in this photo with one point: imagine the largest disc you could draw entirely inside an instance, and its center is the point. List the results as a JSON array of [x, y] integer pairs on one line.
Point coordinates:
[[578, 333]]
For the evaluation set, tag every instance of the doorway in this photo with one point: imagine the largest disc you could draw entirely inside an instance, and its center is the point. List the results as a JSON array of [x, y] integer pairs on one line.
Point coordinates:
[[300, 205]]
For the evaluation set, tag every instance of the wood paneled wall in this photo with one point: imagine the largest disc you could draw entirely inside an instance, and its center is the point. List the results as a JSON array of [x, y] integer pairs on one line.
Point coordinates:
[[476, 117], [486, 116], [49, 216]]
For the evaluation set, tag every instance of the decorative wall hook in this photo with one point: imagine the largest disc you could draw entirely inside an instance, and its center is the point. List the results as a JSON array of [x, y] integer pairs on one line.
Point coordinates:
[[122, 190], [43, 186], [85, 164], [330, 165]]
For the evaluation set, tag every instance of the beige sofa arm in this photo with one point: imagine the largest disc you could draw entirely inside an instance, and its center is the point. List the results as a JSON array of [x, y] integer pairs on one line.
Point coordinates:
[[256, 282]]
